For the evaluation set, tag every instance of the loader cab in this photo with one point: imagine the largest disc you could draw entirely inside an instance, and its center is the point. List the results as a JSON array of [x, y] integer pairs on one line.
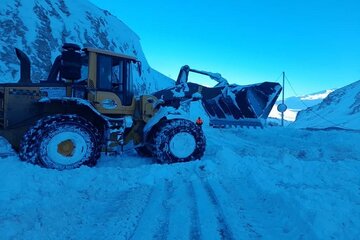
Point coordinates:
[[111, 82]]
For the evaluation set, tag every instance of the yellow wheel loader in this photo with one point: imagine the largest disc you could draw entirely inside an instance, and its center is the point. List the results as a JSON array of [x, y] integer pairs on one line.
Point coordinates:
[[87, 105]]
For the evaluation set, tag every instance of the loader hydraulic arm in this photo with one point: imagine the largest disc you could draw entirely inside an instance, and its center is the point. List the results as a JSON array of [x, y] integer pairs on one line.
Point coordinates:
[[225, 104], [184, 75]]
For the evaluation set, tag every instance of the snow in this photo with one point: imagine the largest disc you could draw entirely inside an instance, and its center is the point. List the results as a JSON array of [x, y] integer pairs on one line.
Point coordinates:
[[316, 96], [289, 114], [340, 109], [275, 183], [296, 104], [272, 183]]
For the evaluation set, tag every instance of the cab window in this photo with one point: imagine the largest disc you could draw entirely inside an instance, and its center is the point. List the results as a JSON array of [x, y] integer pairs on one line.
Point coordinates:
[[113, 75]]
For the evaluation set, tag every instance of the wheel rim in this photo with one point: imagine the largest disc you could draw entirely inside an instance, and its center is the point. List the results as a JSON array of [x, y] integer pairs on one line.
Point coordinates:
[[182, 145], [66, 148]]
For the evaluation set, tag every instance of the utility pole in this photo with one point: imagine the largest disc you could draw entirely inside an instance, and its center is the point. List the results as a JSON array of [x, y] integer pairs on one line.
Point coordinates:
[[282, 107]]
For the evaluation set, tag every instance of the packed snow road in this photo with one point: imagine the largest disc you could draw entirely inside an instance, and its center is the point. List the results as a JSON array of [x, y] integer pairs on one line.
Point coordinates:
[[251, 184]]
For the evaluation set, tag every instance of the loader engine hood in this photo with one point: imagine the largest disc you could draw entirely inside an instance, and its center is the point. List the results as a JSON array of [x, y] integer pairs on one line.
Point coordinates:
[[226, 104]]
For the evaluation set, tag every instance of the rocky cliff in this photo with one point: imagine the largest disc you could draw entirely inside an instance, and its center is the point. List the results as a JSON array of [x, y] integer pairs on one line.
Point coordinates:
[[40, 27]]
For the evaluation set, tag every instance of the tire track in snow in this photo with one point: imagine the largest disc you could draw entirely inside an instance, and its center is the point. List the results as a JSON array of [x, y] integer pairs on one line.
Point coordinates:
[[224, 229], [260, 211], [195, 231], [247, 226], [222, 225], [169, 213], [154, 222], [227, 208], [163, 230], [208, 223], [118, 212], [247, 229], [149, 197], [181, 210]]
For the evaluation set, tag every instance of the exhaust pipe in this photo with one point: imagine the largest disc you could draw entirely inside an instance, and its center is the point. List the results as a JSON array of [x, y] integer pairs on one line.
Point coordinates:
[[24, 66]]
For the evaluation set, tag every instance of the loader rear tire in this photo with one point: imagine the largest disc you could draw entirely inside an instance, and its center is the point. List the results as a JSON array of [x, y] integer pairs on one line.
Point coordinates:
[[178, 140], [61, 142]]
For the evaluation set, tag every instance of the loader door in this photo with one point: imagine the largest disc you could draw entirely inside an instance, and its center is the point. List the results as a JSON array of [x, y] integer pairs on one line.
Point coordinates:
[[114, 86]]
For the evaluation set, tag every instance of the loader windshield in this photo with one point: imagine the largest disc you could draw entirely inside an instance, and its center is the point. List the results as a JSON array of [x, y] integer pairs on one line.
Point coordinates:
[[114, 75]]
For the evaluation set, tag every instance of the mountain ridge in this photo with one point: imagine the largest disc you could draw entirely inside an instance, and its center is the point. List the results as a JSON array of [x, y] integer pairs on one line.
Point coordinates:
[[340, 109], [297, 103], [40, 27]]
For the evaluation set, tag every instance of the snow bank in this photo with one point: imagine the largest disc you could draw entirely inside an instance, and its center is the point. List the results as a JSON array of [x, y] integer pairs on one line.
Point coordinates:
[[273, 183], [296, 104], [340, 109]]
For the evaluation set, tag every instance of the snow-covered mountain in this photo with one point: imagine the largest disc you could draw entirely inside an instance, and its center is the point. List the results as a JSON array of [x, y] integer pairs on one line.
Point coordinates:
[[340, 108], [40, 27], [296, 104]]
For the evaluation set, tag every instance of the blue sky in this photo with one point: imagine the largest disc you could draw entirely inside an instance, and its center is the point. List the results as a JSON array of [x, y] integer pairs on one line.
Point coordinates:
[[317, 43]]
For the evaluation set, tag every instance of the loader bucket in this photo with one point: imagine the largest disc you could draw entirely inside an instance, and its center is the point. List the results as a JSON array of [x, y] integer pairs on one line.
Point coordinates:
[[226, 104], [240, 105]]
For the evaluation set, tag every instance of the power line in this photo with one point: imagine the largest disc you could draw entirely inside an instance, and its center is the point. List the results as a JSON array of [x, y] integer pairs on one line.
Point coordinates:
[[277, 79], [329, 121]]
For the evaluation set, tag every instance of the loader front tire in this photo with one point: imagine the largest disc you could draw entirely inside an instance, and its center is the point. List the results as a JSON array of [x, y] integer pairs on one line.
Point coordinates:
[[61, 142], [178, 140]]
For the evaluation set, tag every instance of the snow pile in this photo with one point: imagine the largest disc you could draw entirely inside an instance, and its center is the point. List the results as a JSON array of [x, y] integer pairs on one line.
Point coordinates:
[[289, 114], [316, 96], [296, 104], [40, 27], [274, 183], [340, 109]]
